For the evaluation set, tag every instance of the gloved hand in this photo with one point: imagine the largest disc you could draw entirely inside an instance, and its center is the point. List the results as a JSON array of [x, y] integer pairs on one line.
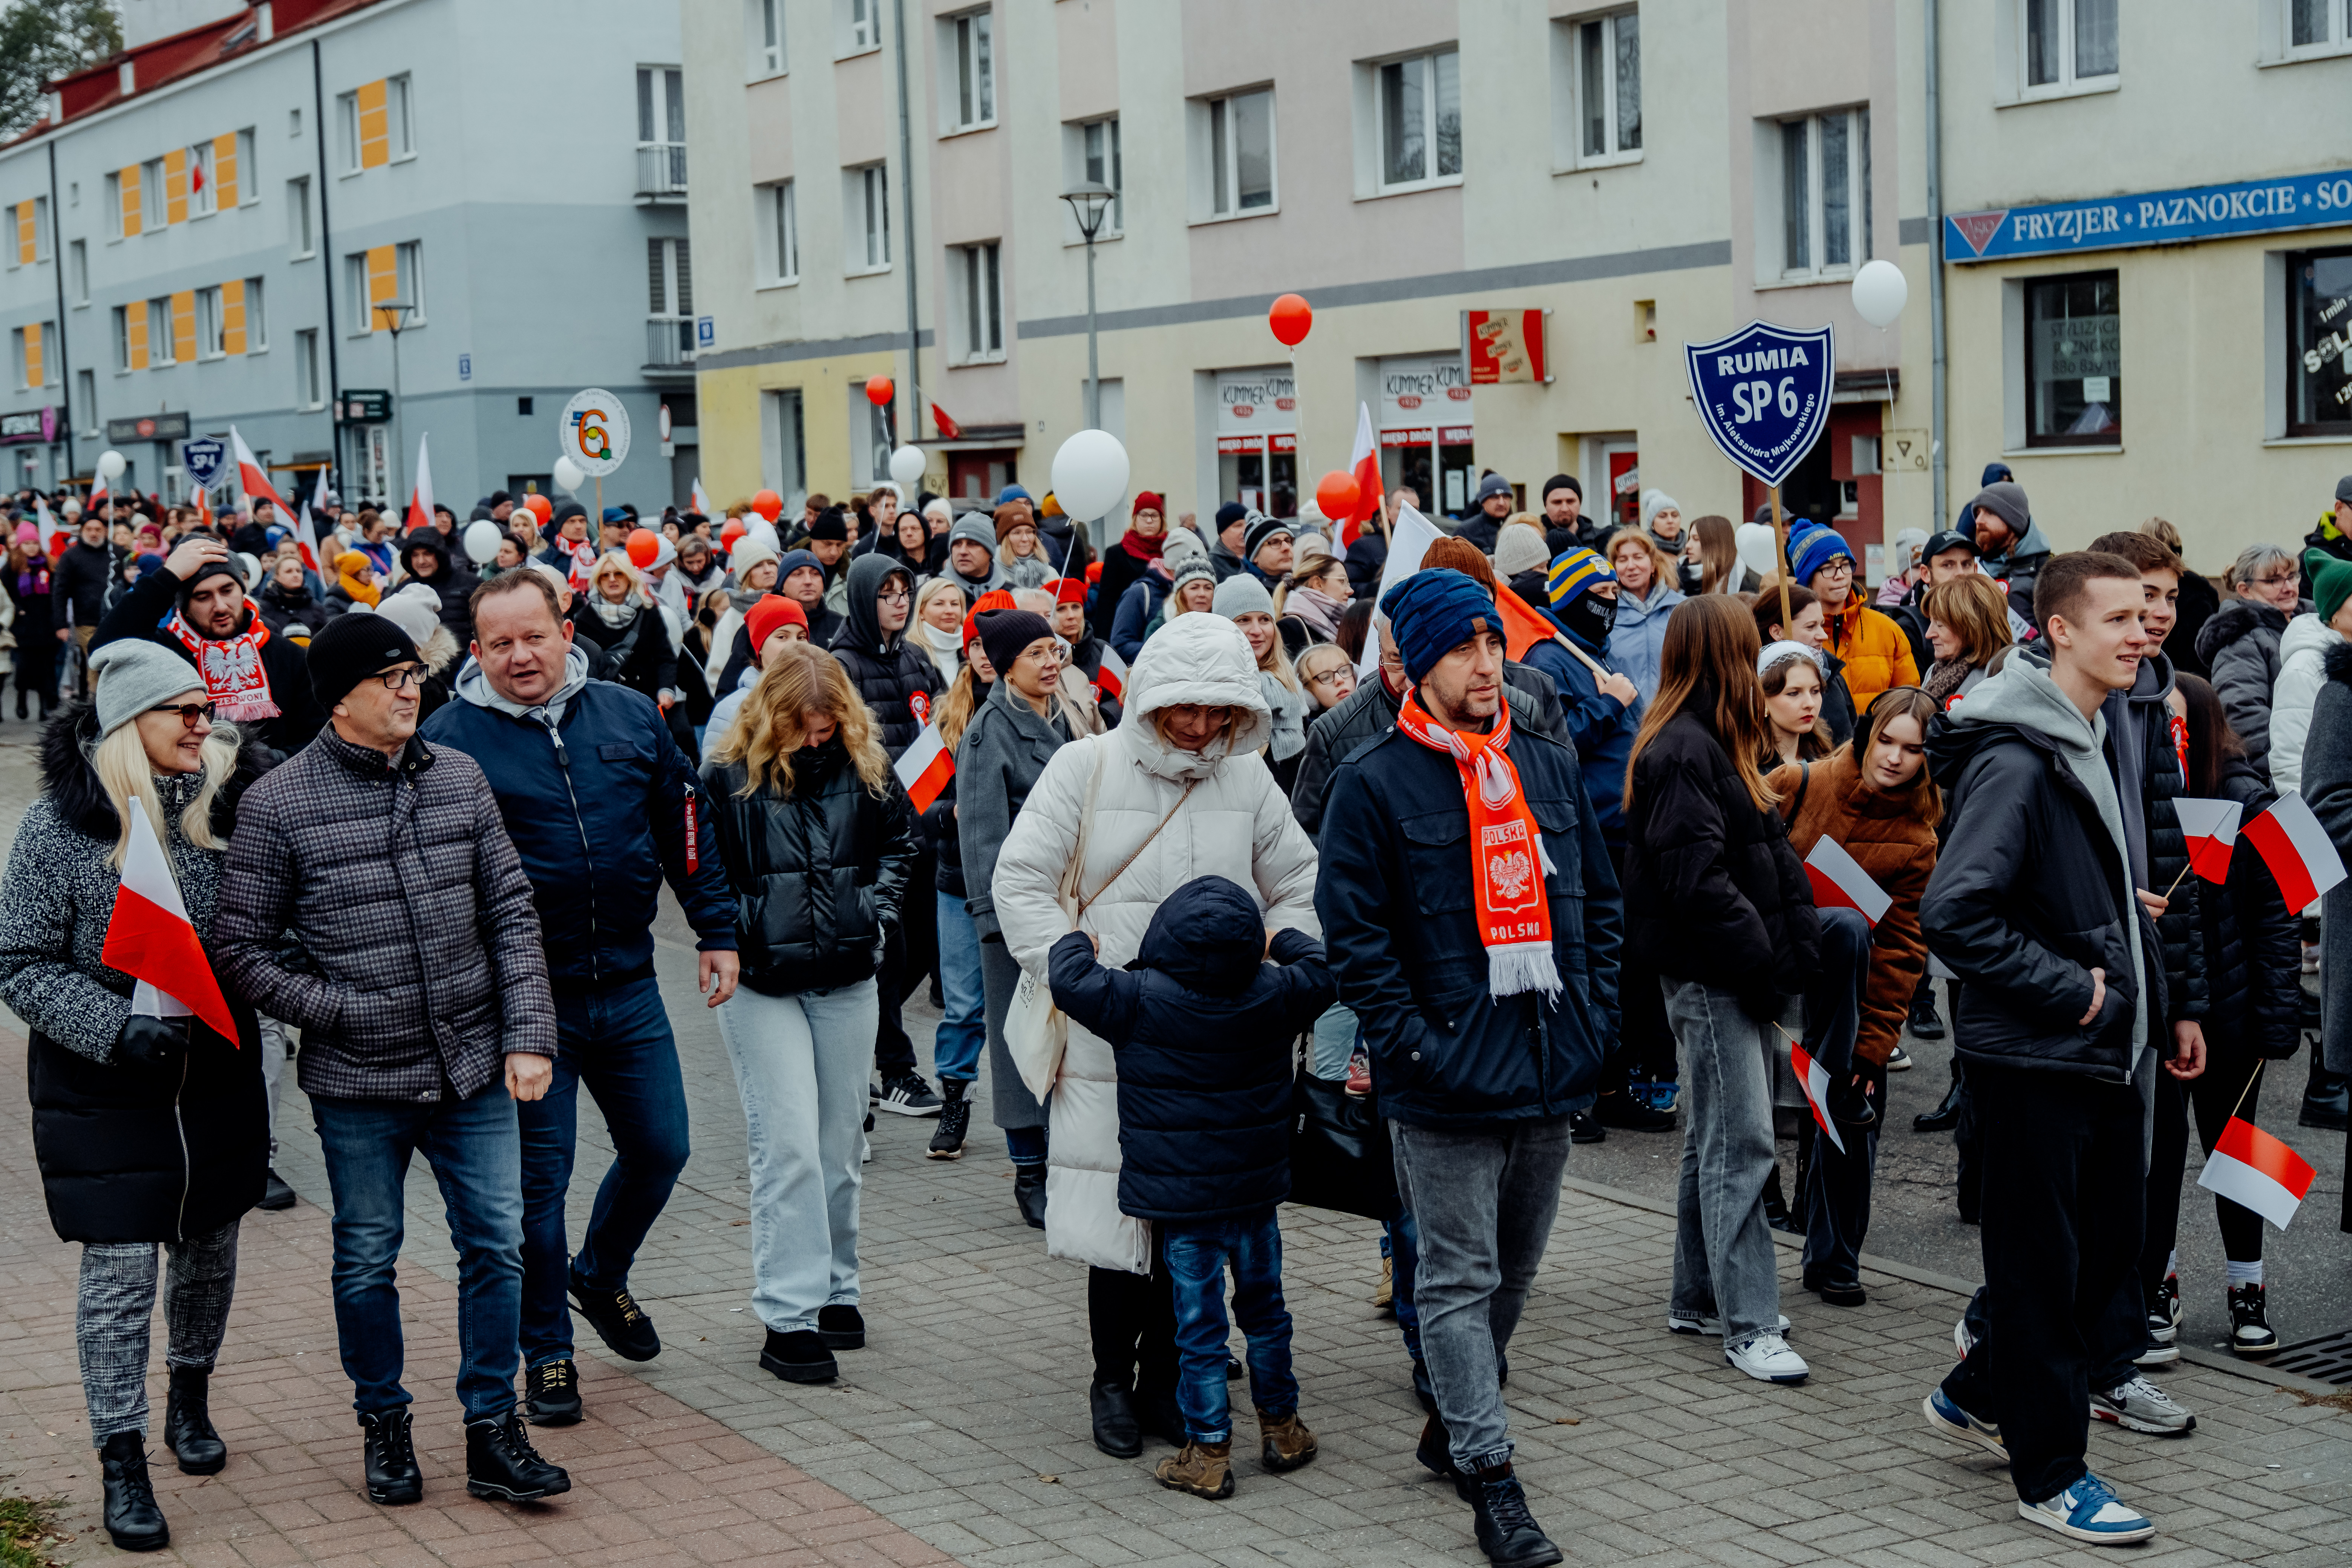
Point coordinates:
[[151, 1042]]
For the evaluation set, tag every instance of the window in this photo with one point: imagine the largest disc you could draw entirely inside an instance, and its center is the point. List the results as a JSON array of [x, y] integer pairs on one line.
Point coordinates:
[[967, 52], [1602, 83], [670, 278], [24, 355], [661, 106], [868, 202], [408, 279], [202, 196], [122, 206], [347, 125], [1099, 160], [1824, 187], [29, 242], [2319, 344], [163, 337], [78, 256], [294, 123], [378, 123], [980, 300], [857, 25], [1240, 154], [242, 184], [154, 201], [1420, 104], [380, 276], [2074, 377], [298, 242], [86, 400], [782, 230], [765, 27], [399, 105], [2067, 43], [306, 389], [246, 316], [122, 340], [209, 324]]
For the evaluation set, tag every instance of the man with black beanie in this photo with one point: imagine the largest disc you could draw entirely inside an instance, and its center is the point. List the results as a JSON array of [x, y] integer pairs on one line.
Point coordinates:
[[1225, 548], [197, 606], [1563, 506]]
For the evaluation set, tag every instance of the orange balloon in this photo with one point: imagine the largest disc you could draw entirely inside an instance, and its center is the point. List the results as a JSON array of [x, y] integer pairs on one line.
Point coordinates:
[[1290, 317], [767, 504], [1337, 493], [643, 545], [732, 532], [541, 505], [877, 392]]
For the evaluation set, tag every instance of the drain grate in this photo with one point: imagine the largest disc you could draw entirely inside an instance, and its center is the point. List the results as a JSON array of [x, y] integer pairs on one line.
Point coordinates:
[[2327, 1358]]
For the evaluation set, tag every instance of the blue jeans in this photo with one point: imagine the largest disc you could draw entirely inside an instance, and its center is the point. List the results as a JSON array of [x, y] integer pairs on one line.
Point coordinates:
[[618, 1043], [1400, 1244], [1197, 1253], [476, 1151], [1724, 1264], [964, 1029]]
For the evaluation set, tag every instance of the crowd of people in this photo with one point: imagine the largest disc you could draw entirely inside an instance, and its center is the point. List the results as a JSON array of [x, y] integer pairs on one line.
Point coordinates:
[[1506, 848]]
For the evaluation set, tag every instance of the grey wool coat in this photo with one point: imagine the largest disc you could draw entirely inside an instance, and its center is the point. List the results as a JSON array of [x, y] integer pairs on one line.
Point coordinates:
[[1003, 751]]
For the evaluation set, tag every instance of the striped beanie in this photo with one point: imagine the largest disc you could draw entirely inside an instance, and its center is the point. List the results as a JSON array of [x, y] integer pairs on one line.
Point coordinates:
[[1573, 572]]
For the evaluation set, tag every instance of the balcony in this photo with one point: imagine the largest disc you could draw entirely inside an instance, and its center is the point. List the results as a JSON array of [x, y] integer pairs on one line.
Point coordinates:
[[669, 345], [661, 173]]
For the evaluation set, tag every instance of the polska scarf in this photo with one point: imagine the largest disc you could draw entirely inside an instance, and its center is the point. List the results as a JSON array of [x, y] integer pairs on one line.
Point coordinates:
[[235, 680], [1508, 858]]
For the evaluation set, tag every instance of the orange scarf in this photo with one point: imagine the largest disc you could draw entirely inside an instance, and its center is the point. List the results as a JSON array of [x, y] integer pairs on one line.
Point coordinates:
[[1508, 858]]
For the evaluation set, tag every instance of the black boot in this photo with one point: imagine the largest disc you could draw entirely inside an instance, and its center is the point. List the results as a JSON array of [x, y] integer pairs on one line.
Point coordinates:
[[1029, 1192], [188, 1424], [1776, 1205], [131, 1516], [501, 1464], [2327, 1098], [389, 1453], [1507, 1532], [551, 1395], [955, 1120], [1923, 1021], [1435, 1453], [1115, 1432], [1947, 1114]]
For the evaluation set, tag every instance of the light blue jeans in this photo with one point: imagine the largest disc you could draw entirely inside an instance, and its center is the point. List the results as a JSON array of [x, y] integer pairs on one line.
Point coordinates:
[[962, 1033], [801, 1067], [1722, 1250]]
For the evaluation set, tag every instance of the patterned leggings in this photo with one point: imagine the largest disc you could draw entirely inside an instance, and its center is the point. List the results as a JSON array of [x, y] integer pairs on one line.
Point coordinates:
[[117, 1302]]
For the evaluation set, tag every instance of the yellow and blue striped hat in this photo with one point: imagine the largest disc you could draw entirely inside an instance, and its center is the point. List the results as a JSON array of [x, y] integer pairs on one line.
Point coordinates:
[[1573, 572]]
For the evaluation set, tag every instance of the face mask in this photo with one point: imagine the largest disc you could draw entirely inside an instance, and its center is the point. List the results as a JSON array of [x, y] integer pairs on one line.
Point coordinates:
[[1591, 617], [1691, 575]]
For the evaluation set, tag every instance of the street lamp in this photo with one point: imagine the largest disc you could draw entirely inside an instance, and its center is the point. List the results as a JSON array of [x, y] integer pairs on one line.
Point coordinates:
[[395, 317], [1090, 201]]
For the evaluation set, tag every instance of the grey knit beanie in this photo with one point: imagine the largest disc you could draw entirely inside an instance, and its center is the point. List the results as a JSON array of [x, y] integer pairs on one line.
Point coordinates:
[[134, 675], [977, 528], [1241, 594]]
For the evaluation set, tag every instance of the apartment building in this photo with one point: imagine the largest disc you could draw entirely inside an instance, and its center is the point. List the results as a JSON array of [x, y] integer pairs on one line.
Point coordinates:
[[227, 222]]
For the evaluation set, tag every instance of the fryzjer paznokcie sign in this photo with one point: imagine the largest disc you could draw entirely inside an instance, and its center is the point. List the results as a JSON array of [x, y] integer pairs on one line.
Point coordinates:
[[1764, 393], [2152, 217]]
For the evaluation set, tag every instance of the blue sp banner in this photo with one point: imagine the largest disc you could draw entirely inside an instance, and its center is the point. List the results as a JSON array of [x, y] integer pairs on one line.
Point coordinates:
[[203, 459], [1764, 394], [2151, 217]]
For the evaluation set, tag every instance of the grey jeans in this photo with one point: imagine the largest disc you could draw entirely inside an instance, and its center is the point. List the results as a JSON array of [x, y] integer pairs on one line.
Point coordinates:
[[117, 1304], [1483, 1203], [1724, 1264]]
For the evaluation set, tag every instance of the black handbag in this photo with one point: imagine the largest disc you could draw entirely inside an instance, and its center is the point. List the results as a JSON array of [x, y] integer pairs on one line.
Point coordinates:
[[1340, 1154]]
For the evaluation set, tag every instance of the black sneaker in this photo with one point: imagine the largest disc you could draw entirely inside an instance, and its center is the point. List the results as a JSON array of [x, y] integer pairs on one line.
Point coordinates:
[[275, 1193], [625, 1330], [909, 1096], [500, 1463], [132, 1516], [1029, 1194], [1507, 1532], [388, 1453], [799, 1357], [955, 1122], [551, 1395], [842, 1327], [2250, 1323], [1622, 1110], [1923, 1022], [1583, 1128]]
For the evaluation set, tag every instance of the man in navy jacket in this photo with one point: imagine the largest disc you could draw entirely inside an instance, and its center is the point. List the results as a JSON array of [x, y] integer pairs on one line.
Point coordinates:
[[602, 807]]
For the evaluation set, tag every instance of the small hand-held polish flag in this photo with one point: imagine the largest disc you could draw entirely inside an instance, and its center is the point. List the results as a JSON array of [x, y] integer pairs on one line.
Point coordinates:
[[2296, 850], [2212, 828], [1112, 677], [2251, 1167], [699, 498], [420, 498], [1840, 881], [925, 767], [151, 939], [1816, 1079], [1364, 462]]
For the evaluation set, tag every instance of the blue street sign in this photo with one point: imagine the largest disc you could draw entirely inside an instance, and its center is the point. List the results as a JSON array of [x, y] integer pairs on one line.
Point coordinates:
[[203, 459], [1764, 394], [465, 367], [706, 333]]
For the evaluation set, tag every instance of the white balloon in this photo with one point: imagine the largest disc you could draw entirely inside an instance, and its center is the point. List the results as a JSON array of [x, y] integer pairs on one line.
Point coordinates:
[[111, 464], [1757, 551], [1879, 292], [249, 568], [482, 541], [1090, 474], [907, 465], [569, 474]]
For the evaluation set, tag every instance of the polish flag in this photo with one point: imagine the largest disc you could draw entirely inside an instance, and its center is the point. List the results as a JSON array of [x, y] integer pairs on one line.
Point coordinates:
[[2251, 1167], [2296, 850], [420, 500], [306, 527], [1112, 677], [1408, 541], [54, 534], [1816, 1079], [150, 938], [254, 483], [698, 500], [925, 767], [1839, 881], [204, 507], [1365, 463], [2212, 828], [948, 428]]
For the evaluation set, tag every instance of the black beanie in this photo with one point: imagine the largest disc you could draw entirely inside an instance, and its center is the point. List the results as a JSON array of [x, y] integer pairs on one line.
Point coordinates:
[[565, 510], [1560, 482], [353, 646], [1005, 633], [830, 524]]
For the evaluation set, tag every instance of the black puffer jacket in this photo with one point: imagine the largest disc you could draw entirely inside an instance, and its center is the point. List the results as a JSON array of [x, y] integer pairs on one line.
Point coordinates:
[[1203, 1028], [299, 610], [2240, 645], [452, 582], [87, 580], [889, 671], [1712, 892], [2252, 957], [818, 874], [635, 654]]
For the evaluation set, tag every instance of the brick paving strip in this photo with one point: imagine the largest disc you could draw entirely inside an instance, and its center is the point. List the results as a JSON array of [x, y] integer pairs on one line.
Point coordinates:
[[962, 1434]]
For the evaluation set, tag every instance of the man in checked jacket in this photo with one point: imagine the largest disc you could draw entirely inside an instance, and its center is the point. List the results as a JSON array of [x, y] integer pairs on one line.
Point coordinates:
[[416, 973]]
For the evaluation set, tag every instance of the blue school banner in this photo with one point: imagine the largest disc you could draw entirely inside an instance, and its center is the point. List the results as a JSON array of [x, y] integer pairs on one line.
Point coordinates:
[[1764, 394], [2151, 217]]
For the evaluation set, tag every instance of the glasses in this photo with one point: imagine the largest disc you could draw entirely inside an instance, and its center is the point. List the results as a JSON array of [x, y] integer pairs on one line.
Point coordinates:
[[898, 598], [400, 679], [1841, 567], [2273, 582], [191, 714], [1333, 675]]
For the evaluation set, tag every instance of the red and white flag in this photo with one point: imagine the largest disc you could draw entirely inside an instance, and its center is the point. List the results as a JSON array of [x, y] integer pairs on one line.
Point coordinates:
[[1112, 679], [2251, 1167], [1840, 881], [54, 534], [2296, 850], [305, 522], [420, 500], [1816, 1079], [204, 507], [254, 481], [1365, 464], [925, 767], [948, 429], [2212, 828], [700, 499], [151, 939]]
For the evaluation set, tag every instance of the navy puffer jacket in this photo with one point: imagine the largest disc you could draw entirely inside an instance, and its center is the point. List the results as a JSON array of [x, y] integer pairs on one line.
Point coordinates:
[[1202, 1029]]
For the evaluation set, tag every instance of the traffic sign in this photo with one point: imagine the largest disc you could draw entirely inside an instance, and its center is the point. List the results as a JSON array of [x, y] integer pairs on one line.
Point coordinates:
[[1764, 394], [203, 459]]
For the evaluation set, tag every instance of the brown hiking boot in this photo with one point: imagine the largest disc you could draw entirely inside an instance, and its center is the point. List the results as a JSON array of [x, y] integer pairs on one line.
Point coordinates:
[[1287, 1442], [1204, 1470], [1384, 1296]]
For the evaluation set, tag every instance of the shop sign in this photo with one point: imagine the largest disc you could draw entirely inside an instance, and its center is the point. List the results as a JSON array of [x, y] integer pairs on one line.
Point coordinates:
[[151, 427], [1255, 402], [1234, 445], [1447, 435], [1415, 390], [1504, 346], [24, 427], [2152, 217], [369, 407]]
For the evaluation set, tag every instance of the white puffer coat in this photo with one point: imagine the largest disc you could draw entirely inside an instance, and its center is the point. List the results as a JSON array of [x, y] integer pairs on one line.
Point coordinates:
[[1235, 823]]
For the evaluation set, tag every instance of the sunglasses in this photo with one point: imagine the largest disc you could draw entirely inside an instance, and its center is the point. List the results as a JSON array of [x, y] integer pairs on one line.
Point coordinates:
[[191, 714]]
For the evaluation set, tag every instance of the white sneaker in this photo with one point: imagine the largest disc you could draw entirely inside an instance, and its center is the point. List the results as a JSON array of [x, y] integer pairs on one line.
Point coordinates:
[[2088, 1510], [1767, 1358], [2140, 1406], [1692, 1323], [1963, 1342]]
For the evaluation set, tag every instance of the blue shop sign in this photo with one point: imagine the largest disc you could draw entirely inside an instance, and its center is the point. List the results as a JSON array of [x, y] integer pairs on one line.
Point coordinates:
[[2154, 217]]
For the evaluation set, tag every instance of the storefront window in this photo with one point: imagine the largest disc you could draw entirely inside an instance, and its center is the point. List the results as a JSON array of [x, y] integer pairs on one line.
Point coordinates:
[[2319, 344], [2074, 379]]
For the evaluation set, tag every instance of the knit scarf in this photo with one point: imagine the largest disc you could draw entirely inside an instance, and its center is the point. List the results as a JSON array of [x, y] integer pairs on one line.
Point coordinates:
[[1943, 679], [1508, 858], [1318, 609], [231, 667], [1143, 549]]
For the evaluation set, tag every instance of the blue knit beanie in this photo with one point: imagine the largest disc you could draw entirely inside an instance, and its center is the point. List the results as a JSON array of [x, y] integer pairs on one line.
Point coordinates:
[[1816, 548], [1434, 611]]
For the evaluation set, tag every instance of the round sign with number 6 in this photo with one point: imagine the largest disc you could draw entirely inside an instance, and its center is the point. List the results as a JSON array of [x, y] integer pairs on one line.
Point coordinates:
[[593, 432]]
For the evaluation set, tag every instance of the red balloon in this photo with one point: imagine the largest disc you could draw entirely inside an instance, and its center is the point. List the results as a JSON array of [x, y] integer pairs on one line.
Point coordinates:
[[732, 532], [767, 504], [1290, 317], [877, 392], [643, 545], [540, 504], [1337, 493]]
